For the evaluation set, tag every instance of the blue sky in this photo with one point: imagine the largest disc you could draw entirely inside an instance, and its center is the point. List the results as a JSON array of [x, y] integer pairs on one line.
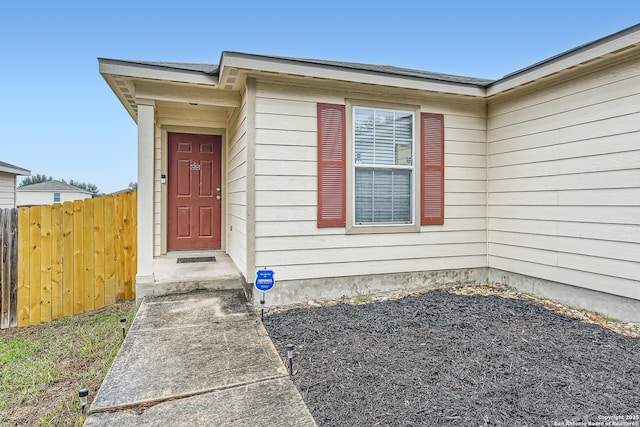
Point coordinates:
[[60, 118]]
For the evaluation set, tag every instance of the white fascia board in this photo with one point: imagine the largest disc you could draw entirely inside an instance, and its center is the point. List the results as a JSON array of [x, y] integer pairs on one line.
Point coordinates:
[[283, 66], [589, 52], [15, 170], [143, 71]]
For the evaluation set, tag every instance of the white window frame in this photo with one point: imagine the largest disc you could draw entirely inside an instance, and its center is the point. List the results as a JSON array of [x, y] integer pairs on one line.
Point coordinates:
[[351, 226]]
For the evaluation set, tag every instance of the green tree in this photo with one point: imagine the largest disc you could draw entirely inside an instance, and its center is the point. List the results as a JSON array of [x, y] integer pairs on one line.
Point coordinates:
[[92, 188], [35, 179], [133, 186]]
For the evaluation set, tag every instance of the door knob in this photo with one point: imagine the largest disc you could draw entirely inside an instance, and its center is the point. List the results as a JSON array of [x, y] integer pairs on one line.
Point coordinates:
[[218, 197]]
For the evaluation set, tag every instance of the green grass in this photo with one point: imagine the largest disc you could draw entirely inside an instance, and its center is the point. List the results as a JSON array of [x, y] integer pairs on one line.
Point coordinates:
[[42, 367], [361, 299]]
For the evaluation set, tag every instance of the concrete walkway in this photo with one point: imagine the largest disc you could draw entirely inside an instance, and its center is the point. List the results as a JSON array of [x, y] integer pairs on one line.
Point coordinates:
[[199, 359]]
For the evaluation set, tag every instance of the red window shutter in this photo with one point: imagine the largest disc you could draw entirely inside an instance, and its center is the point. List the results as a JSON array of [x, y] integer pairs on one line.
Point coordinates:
[[432, 169], [331, 165]]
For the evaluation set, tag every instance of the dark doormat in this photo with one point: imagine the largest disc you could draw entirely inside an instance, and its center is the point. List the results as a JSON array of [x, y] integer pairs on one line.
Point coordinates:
[[196, 259]]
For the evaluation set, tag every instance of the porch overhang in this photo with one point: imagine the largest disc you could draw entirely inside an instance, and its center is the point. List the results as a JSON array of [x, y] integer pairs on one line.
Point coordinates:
[[168, 83]]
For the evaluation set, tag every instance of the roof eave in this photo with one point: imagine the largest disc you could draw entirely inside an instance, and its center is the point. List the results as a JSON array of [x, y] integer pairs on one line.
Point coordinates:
[[15, 170], [260, 63], [131, 69], [589, 52], [116, 69]]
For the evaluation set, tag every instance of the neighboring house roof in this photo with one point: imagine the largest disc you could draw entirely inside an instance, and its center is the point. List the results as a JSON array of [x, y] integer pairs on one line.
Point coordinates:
[[56, 186], [126, 190], [16, 170]]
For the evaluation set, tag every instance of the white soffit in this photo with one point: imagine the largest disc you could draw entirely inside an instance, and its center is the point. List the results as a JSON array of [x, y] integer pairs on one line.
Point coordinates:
[[249, 63]]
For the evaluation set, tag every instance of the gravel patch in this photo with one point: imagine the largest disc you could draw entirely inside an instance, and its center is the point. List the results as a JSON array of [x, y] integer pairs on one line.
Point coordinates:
[[441, 358]]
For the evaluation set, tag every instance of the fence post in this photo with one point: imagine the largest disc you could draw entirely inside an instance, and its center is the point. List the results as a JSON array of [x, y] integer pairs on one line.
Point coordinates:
[[5, 263], [8, 267]]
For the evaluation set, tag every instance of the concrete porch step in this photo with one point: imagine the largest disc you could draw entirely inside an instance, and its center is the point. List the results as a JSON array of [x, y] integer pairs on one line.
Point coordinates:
[[171, 276], [187, 285]]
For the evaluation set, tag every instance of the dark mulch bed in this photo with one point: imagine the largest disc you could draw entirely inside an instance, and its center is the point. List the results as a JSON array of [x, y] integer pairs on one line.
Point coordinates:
[[440, 358]]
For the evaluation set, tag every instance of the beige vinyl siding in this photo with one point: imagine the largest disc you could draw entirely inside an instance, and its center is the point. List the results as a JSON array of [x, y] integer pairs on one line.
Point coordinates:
[[287, 237], [236, 184], [7, 190], [564, 180]]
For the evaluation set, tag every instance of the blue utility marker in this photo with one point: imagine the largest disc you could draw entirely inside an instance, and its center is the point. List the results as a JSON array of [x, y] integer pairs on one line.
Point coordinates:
[[264, 280]]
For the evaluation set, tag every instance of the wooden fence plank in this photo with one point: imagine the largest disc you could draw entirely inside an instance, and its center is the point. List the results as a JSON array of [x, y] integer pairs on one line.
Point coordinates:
[[128, 281], [67, 259], [5, 263], [119, 247], [70, 258], [109, 253], [134, 242], [34, 265], [87, 252], [78, 273], [24, 287], [8, 267], [13, 253], [45, 263], [56, 261], [98, 252]]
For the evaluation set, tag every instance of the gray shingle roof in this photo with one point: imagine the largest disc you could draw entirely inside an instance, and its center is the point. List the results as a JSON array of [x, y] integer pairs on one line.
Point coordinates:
[[213, 70], [53, 186], [209, 69], [383, 69]]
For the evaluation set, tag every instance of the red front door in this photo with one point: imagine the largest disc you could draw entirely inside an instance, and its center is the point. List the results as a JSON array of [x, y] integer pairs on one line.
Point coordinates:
[[194, 194]]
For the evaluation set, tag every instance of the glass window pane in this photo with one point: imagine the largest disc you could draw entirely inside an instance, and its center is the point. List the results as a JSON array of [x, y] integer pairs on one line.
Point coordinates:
[[364, 136], [382, 196], [404, 127], [383, 138]]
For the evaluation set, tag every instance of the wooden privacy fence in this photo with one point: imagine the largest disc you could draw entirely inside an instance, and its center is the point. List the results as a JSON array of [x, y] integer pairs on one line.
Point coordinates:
[[8, 267], [74, 257]]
